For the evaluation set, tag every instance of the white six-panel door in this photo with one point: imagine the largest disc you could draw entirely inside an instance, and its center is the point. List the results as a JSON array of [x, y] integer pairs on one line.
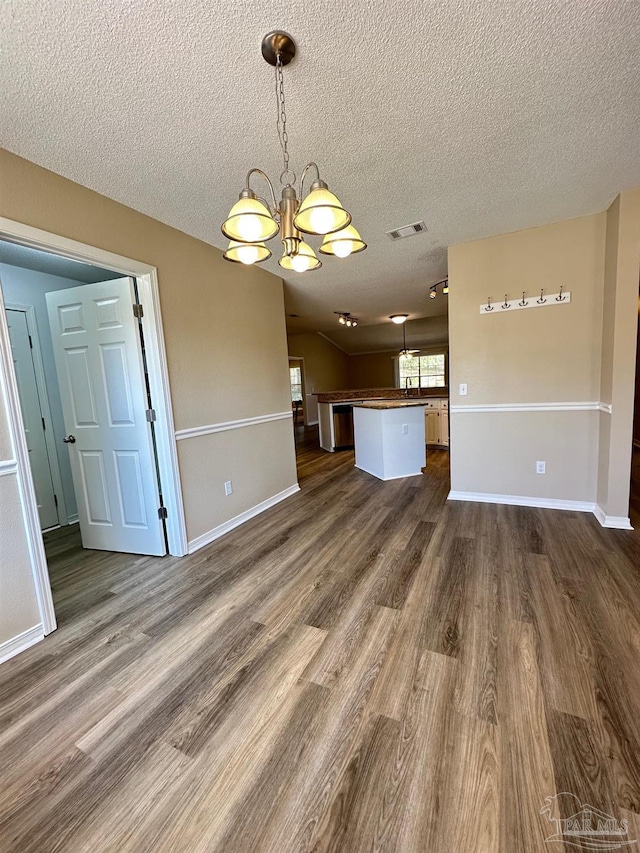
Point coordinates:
[[99, 366], [32, 417]]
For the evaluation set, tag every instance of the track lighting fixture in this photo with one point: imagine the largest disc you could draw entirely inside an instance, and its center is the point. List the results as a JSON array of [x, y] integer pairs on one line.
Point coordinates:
[[252, 220], [433, 289], [345, 319]]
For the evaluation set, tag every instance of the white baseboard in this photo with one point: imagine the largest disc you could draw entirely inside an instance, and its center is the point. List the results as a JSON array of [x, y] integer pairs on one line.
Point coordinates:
[[22, 642], [614, 521], [73, 519], [312, 423], [617, 522], [221, 529], [520, 500]]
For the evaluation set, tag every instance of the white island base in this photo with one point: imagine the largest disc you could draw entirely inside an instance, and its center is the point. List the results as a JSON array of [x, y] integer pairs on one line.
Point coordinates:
[[390, 438]]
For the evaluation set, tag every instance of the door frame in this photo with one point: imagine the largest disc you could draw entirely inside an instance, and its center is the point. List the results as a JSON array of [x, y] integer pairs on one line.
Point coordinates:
[[305, 412], [43, 395], [148, 292]]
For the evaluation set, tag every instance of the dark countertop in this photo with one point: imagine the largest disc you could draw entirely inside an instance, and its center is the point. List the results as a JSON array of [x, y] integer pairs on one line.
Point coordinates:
[[379, 394], [389, 404]]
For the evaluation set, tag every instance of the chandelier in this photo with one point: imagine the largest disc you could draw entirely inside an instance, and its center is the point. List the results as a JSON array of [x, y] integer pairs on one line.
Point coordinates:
[[252, 221]]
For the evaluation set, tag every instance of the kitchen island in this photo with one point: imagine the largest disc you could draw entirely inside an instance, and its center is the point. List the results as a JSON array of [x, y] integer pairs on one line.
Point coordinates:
[[336, 433], [390, 437]]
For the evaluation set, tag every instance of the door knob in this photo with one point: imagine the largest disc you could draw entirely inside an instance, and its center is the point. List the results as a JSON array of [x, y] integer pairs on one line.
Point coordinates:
[[70, 439]]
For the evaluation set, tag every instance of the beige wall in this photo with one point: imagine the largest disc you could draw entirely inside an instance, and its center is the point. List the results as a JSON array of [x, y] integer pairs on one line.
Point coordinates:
[[225, 339], [326, 368], [372, 370], [619, 331], [543, 355]]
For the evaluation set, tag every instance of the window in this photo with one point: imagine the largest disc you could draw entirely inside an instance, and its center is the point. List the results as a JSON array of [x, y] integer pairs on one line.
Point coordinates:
[[422, 371], [295, 378]]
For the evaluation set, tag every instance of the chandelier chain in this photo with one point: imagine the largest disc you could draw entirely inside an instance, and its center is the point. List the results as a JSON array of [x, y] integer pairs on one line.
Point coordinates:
[[281, 121]]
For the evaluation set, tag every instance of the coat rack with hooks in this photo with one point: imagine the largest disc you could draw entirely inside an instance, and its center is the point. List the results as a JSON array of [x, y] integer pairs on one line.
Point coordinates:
[[500, 306]]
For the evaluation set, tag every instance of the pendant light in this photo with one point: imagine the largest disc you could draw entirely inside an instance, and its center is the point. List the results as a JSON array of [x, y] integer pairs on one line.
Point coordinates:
[[252, 220]]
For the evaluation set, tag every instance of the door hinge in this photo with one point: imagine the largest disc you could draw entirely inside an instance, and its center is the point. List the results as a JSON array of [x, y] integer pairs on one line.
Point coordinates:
[[44, 426], [55, 500], [151, 415], [138, 310], [30, 341], [162, 512]]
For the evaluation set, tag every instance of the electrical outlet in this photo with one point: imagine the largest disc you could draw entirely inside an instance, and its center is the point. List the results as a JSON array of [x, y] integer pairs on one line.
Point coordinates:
[[463, 389], [405, 429], [541, 467], [228, 488]]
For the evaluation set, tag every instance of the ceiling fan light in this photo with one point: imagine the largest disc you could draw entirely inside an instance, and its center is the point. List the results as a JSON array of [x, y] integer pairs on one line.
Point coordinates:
[[343, 243], [249, 221], [398, 319], [321, 212], [305, 259], [246, 253]]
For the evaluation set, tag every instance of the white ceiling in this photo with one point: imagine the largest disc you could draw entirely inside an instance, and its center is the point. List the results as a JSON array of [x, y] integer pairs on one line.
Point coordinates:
[[33, 259], [478, 116]]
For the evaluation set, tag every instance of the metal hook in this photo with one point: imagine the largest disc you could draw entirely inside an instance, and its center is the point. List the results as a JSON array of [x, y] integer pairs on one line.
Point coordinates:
[[560, 297], [506, 304], [523, 304], [541, 301], [489, 306]]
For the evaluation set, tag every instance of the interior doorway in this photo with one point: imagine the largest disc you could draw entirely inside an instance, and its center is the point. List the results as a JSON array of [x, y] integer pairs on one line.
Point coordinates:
[[298, 395], [106, 356]]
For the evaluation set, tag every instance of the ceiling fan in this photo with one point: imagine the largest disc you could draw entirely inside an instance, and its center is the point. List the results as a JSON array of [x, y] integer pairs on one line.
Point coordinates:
[[404, 352]]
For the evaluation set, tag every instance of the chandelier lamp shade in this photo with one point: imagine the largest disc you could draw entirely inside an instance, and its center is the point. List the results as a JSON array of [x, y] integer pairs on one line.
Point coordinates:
[[304, 259], [253, 220], [247, 253], [343, 243]]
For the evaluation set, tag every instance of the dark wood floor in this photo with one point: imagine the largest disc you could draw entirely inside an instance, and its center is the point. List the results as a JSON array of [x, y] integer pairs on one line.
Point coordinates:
[[362, 668]]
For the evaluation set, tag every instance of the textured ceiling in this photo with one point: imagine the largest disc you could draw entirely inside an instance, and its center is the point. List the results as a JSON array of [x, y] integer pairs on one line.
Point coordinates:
[[420, 333], [34, 259], [478, 117]]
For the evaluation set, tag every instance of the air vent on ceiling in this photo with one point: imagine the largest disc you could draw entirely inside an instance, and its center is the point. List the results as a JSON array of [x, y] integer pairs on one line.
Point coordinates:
[[407, 230]]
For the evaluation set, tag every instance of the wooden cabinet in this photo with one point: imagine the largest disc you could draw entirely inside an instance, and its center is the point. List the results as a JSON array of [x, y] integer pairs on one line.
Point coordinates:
[[432, 426], [436, 423]]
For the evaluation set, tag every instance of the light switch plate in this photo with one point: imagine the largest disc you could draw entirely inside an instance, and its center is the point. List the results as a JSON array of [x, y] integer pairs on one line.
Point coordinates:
[[405, 429], [463, 389], [228, 488], [541, 467]]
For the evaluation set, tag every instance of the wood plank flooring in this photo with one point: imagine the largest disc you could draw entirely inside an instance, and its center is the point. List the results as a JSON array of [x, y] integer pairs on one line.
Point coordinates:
[[362, 668]]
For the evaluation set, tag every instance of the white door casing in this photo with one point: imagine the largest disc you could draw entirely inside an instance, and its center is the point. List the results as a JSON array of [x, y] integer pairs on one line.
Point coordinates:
[[100, 371], [32, 417]]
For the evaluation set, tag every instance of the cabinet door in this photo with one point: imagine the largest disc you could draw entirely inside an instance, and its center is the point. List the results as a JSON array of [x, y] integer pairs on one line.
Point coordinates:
[[444, 427], [432, 427]]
